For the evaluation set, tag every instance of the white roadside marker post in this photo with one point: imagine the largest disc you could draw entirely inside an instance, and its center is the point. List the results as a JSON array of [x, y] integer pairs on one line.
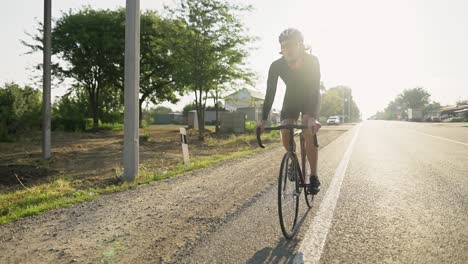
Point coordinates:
[[185, 151]]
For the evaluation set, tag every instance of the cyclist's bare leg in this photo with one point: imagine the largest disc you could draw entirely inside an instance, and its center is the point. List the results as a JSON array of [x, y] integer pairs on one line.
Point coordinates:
[[311, 149], [285, 133]]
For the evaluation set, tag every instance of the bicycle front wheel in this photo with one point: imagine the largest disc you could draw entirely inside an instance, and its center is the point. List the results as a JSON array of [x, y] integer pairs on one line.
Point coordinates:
[[288, 195], [306, 172]]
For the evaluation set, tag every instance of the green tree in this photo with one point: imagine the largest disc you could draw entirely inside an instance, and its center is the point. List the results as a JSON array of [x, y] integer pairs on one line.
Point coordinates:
[[433, 106], [338, 100], [392, 110], [161, 110], [90, 46], [415, 98], [158, 47], [331, 104], [355, 112], [214, 48], [111, 107]]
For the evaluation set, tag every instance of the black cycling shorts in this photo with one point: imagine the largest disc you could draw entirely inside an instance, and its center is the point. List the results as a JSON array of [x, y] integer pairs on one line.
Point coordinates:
[[291, 114]]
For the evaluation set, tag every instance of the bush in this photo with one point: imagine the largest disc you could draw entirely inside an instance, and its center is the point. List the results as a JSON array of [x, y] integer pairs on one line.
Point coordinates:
[[70, 113], [146, 137], [111, 127], [111, 117], [68, 124], [250, 126], [20, 110], [88, 123], [456, 119]]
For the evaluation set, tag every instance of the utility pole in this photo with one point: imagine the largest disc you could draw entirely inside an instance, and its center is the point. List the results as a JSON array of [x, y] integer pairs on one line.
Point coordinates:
[[46, 80], [132, 83], [349, 106], [344, 104]]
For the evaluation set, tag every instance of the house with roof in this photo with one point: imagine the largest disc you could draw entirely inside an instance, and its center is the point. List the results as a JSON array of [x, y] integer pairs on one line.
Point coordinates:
[[454, 111], [247, 101], [244, 98]]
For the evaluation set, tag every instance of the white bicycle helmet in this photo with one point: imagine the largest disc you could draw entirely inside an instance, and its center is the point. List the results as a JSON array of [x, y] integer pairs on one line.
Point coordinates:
[[291, 34]]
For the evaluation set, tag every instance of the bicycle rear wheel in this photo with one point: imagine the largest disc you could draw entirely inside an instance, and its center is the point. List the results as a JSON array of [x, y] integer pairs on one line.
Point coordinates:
[[288, 195]]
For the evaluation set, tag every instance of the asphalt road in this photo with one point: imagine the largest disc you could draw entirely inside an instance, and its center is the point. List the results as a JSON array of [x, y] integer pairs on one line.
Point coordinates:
[[392, 192]]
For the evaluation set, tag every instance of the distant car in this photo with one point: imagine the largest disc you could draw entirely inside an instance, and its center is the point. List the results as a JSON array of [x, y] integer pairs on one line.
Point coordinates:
[[333, 120], [435, 119]]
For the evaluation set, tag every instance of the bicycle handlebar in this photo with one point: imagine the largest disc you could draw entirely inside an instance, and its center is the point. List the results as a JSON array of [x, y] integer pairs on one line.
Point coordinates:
[[289, 127]]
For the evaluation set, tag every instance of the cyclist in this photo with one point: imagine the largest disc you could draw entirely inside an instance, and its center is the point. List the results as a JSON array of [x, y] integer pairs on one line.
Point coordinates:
[[300, 72]]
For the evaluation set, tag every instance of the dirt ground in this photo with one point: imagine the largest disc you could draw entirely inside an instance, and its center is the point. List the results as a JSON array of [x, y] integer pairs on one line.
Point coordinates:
[[154, 223], [95, 159]]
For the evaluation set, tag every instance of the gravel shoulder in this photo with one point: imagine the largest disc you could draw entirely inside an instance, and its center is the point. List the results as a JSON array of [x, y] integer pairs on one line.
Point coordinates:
[[153, 223]]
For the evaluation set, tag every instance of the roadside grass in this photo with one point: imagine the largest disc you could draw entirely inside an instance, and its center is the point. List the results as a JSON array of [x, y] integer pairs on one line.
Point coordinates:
[[65, 191], [241, 139], [31, 201], [111, 126]]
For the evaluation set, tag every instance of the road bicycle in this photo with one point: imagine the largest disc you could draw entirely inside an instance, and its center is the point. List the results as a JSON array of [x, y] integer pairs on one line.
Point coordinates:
[[291, 180]]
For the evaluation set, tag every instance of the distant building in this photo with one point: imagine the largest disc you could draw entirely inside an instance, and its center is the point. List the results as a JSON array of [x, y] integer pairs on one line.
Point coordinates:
[[434, 115], [171, 118], [251, 113], [275, 116], [247, 101], [462, 111], [244, 98], [453, 111]]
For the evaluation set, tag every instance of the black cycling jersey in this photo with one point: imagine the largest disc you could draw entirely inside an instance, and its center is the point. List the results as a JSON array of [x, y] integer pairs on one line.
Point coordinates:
[[302, 88]]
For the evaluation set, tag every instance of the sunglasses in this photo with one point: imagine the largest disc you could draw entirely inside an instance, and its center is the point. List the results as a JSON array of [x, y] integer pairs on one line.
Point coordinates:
[[287, 46]]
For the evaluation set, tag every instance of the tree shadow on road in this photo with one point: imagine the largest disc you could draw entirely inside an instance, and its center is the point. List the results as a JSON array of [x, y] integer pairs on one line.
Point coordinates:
[[284, 252]]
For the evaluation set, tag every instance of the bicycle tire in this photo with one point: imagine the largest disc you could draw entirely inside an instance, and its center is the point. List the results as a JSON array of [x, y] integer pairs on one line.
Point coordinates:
[[288, 218], [309, 198]]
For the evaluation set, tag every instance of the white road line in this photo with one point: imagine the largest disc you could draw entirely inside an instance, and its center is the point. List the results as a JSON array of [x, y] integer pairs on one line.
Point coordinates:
[[311, 247], [454, 141]]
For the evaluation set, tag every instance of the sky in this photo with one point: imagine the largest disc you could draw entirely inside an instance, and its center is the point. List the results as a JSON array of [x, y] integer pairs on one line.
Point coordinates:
[[377, 48]]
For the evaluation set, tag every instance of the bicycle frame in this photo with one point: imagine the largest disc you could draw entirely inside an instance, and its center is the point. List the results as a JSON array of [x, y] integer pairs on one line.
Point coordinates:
[[292, 146]]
